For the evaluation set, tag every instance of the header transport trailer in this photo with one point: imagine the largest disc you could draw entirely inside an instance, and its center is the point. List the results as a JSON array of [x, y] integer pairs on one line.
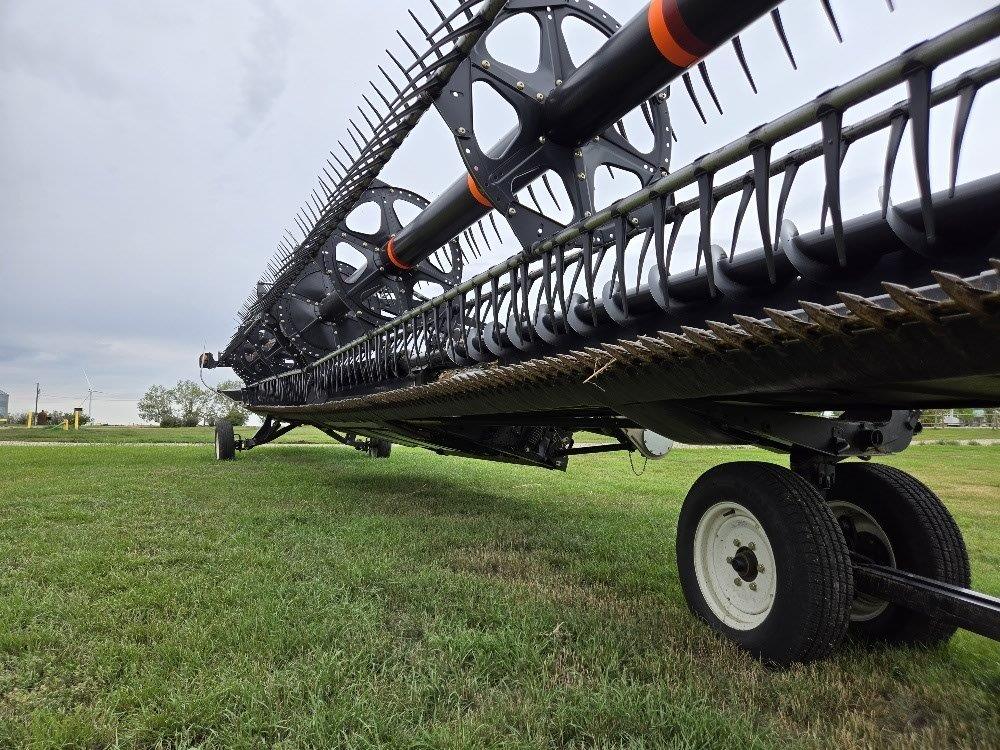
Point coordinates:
[[596, 324]]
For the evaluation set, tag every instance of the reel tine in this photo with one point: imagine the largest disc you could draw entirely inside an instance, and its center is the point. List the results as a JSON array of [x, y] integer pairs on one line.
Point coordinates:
[[892, 150], [826, 198], [423, 29], [552, 195], [496, 229], [744, 202], [828, 9], [786, 187], [762, 182], [706, 206], [461, 31], [472, 241], [392, 83], [482, 231], [647, 115], [381, 96], [463, 7], [832, 148], [779, 27], [703, 70], [962, 112], [694, 99], [445, 22], [919, 84], [741, 56], [534, 199]]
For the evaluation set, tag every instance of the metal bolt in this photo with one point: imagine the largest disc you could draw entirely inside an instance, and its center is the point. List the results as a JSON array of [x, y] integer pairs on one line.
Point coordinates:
[[582, 175], [662, 96], [520, 85], [486, 64], [578, 153], [753, 586], [559, 82], [729, 560], [461, 130], [635, 221], [540, 96], [511, 211], [736, 543], [751, 546], [738, 581], [760, 568], [541, 139], [587, 214]]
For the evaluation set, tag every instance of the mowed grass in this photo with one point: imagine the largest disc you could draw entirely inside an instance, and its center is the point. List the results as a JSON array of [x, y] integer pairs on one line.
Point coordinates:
[[312, 436], [117, 435], [153, 597]]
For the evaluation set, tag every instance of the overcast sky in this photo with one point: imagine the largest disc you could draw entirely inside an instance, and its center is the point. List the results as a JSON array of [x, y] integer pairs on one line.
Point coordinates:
[[151, 153]]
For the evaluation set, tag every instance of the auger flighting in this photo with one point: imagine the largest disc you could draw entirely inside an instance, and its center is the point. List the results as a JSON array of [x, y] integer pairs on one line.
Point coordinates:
[[591, 325]]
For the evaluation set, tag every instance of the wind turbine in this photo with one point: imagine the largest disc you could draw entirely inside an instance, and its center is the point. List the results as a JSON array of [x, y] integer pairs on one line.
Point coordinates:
[[90, 396]]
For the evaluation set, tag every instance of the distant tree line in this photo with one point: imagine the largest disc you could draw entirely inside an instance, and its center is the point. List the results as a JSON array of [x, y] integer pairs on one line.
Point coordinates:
[[189, 404]]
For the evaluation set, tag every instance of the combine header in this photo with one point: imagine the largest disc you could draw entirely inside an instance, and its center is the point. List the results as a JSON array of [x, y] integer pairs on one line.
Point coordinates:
[[592, 325]]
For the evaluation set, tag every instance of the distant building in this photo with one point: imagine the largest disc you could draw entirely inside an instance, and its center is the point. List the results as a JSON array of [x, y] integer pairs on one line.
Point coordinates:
[[4, 404]]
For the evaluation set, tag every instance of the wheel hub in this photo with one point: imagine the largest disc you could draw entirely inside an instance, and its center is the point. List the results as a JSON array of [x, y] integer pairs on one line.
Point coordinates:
[[735, 565], [866, 537]]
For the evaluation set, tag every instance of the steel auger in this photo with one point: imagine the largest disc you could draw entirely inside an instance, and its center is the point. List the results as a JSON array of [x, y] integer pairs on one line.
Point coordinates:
[[595, 324]]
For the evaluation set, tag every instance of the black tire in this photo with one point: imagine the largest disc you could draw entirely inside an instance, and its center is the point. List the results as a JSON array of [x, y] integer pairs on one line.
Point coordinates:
[[814, 585], [225, 441], [924, 539], [379, 448]]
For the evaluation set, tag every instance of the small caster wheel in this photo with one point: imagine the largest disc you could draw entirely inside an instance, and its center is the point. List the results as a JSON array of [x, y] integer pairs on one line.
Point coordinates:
[[762, 560], [893, 519], [225, 441], [379, 448]]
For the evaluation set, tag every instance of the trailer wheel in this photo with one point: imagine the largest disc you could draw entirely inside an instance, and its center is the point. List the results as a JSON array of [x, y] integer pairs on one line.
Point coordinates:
[[762, 560], [225, 441], [891, 517], [379, 448]]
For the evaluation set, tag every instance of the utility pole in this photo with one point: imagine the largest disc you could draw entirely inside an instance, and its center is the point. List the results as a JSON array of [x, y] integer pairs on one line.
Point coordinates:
[[38, 392]]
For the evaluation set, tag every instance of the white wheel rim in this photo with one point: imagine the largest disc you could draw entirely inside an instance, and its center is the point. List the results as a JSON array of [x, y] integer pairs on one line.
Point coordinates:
[[741, 599], [864, 607]]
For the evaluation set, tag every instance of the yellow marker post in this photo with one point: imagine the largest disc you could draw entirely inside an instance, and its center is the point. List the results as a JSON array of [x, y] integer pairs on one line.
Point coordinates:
[[66, 424], [30, 415], [76, 418]]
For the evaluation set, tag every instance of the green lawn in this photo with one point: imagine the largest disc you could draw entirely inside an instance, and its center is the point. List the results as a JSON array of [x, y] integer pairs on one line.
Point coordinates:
[[310, 435], [305, 598]]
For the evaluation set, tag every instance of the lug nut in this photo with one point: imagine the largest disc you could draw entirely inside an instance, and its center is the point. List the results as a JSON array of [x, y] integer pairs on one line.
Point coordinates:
[[736, 543], [751, 546], [753, 586], [540, 96], [520, 85], [729, 560], [760, 567], [738, 581]]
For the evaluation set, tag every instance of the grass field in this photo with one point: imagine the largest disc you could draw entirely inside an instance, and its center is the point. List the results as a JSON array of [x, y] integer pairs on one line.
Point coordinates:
[[153, 597], [310, 435]]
